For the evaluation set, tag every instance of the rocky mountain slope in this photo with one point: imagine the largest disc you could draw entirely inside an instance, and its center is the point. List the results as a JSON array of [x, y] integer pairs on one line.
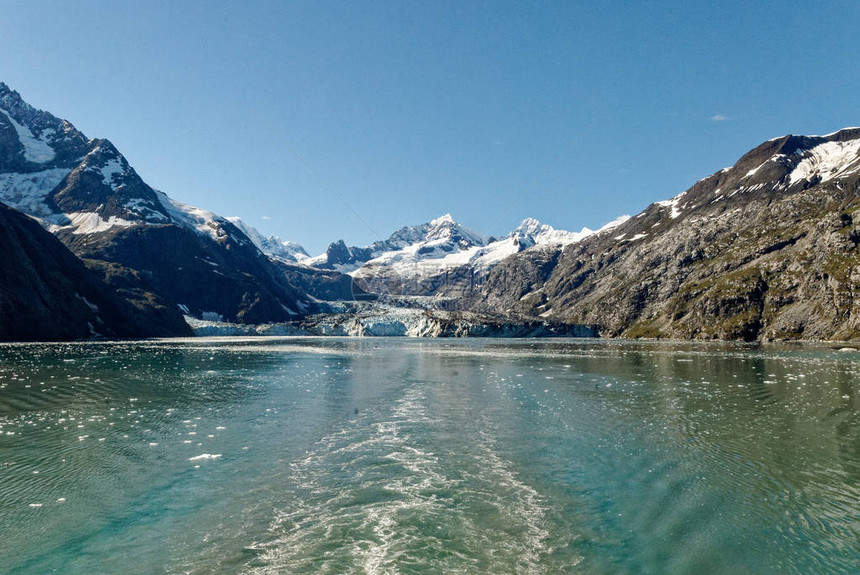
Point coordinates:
[[765, 249], [85, 192], [46, 293]]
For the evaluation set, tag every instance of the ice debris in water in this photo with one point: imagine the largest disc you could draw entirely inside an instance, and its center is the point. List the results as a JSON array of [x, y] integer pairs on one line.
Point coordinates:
[[205, 456]]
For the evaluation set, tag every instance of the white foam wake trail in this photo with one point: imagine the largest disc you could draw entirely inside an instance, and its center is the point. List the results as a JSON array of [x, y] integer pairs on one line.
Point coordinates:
[[373, 498], [519, 504]]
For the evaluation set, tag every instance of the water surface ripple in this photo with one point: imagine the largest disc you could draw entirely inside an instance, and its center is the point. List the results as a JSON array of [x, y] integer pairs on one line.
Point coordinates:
[[310, 455]]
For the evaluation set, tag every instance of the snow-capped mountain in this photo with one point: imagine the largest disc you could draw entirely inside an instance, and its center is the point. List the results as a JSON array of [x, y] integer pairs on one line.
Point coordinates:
[[272, 245], [768, 248], [32, 140], [55, 174], [440, 251], [434, 238], [443, 232], [438, 257], [87, 193]]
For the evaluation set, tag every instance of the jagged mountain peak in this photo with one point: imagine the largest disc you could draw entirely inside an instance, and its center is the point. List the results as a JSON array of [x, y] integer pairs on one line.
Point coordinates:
[[530, 227], [8, 96], [50, 170], [441, 229], [271, 245], [445, 228], [106, 158], [14, 105], [11, 101], [443, 219], [532, 232], [439, 245], [32, 140]]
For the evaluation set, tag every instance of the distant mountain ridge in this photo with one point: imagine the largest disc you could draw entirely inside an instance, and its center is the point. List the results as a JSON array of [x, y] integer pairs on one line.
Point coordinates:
[[442, 232], [271, 245], [440, 257]]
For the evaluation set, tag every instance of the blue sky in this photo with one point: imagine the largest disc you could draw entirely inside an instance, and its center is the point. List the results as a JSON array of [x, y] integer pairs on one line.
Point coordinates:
[[409, 110]]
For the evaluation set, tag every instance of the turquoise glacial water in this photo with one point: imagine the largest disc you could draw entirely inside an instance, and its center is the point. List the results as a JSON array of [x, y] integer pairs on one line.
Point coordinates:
[[382, 455]]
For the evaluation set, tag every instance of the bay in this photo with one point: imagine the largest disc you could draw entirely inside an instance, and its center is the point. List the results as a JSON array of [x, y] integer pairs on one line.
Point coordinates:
[[394, 455]]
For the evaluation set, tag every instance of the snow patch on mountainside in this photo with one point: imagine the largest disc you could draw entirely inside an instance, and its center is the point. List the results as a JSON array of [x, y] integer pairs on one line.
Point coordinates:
[[106, 161], [92, 223], [272, 246], [112, 169], [673, 204], [28, 192], [836, 132], [203, 221], [35, 149], [146, 209], [828, 161], [613, 224]]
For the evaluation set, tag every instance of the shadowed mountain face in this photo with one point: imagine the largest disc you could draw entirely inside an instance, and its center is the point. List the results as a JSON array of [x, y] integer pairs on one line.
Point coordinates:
[[88, 195], [765, 249], [47, 293]]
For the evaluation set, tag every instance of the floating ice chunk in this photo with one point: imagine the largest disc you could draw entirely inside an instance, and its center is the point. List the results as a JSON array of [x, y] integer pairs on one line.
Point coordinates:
[[203, 456]]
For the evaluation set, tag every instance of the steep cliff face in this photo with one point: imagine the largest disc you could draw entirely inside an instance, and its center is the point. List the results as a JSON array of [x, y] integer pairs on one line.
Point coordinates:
[[766, 249], [46, 293]]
